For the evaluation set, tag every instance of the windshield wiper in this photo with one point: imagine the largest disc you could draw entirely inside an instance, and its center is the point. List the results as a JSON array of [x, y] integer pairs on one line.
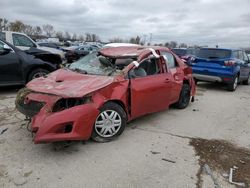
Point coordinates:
[[213, 57], [80, 71]]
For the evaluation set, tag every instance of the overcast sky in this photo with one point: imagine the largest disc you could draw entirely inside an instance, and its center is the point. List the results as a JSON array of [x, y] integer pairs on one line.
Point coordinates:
[[203, 22]]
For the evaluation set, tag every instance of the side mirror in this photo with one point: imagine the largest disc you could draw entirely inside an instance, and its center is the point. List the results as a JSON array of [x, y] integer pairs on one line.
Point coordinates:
[[6, 47], [5, 50]]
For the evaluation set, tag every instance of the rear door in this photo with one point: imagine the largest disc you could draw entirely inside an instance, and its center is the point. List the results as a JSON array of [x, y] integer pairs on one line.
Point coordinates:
[[244, 65], [150, 92], [176, 73], [10, 70]]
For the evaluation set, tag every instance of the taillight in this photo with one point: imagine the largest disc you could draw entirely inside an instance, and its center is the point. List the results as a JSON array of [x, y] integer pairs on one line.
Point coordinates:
[[229, 63]]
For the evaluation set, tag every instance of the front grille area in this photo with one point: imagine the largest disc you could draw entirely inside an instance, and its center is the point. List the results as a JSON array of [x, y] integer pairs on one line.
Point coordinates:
[[29, 109]]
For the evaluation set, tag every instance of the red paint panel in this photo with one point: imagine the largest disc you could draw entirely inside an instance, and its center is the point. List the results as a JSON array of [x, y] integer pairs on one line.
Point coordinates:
[[47, 125], [150, 94], [67, 83], [178, 76]]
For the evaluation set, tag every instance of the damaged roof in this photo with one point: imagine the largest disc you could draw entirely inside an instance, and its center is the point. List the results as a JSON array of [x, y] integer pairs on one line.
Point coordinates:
[[125, 52]]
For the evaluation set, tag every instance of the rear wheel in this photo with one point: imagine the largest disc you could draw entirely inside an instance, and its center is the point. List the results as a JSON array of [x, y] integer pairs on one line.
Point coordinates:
[[196, 81], [232, 86], [247, 82], [37, 73], [110, 123], [184, 97]]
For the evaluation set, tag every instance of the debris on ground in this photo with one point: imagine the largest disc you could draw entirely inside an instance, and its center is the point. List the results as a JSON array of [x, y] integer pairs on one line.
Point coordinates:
[[155, 152], [221, 156], [61, 145], [3, 131], [209, 172], [26, 174], [231, 178], [168, 160]]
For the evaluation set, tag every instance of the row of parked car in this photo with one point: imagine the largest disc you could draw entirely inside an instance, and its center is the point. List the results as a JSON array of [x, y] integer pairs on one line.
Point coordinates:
[[229, 66], [54, 51], [96, 95]]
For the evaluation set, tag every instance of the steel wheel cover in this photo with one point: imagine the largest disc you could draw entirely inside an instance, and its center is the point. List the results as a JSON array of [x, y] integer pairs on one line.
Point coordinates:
[[39, 74], [108, 123]]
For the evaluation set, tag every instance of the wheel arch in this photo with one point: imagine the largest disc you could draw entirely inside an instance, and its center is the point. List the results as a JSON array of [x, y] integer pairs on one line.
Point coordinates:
[[46, 67], [119, 102]]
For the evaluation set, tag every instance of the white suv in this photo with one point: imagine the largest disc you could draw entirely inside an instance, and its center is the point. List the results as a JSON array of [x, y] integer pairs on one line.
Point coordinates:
[[24, 42]]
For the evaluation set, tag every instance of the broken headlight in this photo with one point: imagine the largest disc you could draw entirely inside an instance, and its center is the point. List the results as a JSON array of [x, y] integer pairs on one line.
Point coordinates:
[[63, 104]]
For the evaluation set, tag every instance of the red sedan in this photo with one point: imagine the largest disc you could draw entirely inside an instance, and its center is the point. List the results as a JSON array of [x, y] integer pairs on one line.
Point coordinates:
[[97, 95]]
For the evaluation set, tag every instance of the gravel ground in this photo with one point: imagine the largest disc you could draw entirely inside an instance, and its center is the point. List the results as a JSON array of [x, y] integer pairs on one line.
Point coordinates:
[[153, 151]]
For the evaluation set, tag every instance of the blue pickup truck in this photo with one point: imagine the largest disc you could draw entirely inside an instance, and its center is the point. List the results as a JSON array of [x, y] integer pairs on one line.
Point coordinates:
[[229, 66]]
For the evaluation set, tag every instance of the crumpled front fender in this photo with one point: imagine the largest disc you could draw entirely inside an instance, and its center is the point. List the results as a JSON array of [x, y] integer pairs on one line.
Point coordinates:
[[50, 127]]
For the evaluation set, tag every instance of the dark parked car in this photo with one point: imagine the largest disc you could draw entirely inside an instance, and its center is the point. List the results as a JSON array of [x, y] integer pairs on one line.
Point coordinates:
[[18, 67], [50, 45], [76, 52], [185, 54], [221, 65]]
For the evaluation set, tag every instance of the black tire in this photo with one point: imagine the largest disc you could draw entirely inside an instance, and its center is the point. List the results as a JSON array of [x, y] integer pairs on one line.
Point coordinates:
[[35, 73], [109, 108], [232, 86], [247, 82], [184, 98]]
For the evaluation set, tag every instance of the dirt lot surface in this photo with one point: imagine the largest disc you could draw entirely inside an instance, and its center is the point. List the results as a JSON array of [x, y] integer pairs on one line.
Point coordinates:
[[194, 147]]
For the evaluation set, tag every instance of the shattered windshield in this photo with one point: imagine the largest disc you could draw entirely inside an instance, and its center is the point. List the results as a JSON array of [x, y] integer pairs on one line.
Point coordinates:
[[96, 64]]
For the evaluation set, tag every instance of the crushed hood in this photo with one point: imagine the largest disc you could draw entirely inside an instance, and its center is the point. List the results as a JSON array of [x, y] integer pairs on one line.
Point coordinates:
[[67, 83]]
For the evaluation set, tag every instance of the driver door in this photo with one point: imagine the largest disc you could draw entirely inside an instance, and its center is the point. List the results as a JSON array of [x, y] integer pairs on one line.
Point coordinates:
[[10, 71], [150, 92]]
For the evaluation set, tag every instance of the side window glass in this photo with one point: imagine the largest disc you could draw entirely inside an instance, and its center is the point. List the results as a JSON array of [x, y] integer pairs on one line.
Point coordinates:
[[1, 45], [21, 40], [245, 57], [169, 59], [241, 57], [236, 54], [2, 36]]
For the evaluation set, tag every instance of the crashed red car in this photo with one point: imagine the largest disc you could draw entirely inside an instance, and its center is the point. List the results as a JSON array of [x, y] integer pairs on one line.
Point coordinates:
[[97, 95]]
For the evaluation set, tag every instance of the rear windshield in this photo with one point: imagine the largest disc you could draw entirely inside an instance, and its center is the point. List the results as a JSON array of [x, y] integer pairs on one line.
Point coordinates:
[[213, 53], [2, 36]]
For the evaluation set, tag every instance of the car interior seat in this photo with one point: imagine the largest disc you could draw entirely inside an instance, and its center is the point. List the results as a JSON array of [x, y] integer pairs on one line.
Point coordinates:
[[150, 66], [104, 61], [138, 72]]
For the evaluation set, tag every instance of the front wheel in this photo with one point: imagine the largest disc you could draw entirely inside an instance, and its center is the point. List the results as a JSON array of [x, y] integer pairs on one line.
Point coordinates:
[[37, 73], [232, 86], [110, 123], [184, 98]]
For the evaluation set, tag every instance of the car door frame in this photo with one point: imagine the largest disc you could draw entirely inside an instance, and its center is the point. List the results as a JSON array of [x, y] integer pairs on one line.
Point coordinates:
[[244, 72], [177, 76], [10, 78], [150, 93], [246, 66]]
